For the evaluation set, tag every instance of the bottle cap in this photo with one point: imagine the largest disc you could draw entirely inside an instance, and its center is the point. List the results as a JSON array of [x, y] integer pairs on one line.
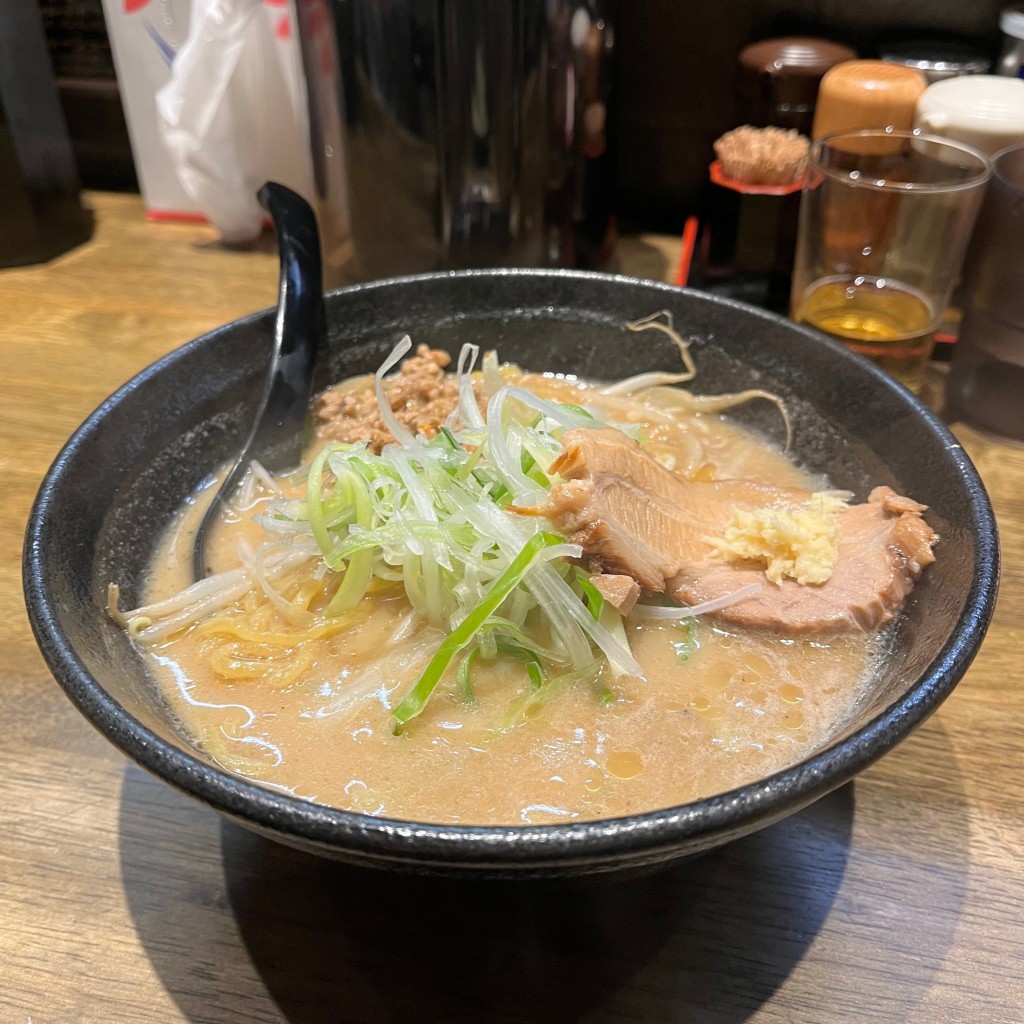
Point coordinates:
[[1011, 21], [867, 94]]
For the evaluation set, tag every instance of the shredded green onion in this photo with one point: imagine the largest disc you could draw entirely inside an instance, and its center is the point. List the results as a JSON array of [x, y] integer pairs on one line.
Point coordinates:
[[595, 599], [506, 627], [534, 667], [315, 503], [359, 570], [687, 645], [535, 671], [588, 674], [433, 515], [462, 635], [580, 411], [465, 682]]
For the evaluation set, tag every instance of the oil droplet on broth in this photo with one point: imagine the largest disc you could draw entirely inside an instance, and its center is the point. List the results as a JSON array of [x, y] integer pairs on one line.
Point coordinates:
[[791, 694], [624, 764], [706, 708], [756, 666], [793, 720], [592, 785]]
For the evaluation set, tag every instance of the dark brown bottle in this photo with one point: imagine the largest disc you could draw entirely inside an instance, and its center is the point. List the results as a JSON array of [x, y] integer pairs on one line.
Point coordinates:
[[779, 79], [749, 237], [41, 215]]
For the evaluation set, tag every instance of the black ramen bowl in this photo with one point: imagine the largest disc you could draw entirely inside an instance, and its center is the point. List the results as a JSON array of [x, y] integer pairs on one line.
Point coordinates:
[[122, 476]]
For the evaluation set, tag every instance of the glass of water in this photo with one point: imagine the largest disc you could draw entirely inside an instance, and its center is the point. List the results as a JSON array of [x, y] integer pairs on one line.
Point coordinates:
[[885, 218]]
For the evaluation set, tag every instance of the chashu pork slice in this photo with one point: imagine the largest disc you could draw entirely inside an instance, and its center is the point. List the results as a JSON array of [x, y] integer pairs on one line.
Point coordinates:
[[639, 519]]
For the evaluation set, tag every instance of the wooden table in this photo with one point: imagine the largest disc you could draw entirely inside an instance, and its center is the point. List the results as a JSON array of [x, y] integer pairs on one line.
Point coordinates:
[[898, 898]]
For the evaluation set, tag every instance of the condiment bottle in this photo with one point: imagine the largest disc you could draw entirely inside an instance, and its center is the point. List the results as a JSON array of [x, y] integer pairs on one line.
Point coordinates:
[[779, 78], [41, 213], [749, 233], [867, 94], [985, 111]]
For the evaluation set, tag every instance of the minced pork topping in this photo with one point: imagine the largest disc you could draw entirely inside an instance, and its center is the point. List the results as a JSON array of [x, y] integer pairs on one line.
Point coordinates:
[[421, 395]]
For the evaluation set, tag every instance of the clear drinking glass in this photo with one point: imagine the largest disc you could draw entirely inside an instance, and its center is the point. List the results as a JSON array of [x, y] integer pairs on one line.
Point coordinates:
[[884, 220]]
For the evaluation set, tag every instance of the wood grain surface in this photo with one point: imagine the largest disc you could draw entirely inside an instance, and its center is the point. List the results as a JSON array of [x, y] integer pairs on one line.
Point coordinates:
[[897, 898]]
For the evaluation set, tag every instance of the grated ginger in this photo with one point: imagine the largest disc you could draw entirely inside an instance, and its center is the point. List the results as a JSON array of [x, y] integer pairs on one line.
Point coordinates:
[[801, 543]]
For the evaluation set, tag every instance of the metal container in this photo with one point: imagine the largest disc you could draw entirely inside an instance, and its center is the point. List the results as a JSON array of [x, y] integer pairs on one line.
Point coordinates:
[[461, 133], [937, 59]]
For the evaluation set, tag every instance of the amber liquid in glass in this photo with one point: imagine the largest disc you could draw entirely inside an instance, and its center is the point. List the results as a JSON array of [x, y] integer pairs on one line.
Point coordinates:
[[887, 321]]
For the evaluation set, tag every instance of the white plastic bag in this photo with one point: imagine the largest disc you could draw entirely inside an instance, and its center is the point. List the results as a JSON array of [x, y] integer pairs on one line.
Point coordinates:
[[233, 114]]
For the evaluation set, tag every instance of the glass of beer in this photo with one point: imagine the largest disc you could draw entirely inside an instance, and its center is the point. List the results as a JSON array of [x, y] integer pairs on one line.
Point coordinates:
[[885, 218]]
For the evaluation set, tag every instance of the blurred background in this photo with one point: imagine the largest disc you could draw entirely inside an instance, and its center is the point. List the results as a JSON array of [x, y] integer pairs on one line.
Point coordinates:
[[675, 88]]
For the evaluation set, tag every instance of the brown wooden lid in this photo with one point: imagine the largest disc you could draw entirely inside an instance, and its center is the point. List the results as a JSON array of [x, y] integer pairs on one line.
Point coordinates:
[[793, 55], [867, 94]]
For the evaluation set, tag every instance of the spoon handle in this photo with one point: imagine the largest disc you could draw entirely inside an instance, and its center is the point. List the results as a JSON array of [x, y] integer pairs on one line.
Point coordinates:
[[278, 432]]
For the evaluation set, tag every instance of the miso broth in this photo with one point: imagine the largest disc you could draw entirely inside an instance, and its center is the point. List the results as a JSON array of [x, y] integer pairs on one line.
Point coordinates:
[[717, 707]]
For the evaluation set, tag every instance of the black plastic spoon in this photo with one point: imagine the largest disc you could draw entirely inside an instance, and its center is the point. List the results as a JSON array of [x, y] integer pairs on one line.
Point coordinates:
[[278, 430]]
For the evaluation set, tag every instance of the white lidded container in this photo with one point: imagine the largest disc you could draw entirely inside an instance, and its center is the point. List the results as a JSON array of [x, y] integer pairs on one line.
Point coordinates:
[[984, 111]]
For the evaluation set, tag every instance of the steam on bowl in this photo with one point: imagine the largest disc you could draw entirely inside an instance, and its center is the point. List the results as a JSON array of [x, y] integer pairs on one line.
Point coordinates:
[[123, 475]]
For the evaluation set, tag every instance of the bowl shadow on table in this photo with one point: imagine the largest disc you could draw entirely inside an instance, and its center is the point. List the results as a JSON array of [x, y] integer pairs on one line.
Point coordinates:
[[309, 940], [719, 933]]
